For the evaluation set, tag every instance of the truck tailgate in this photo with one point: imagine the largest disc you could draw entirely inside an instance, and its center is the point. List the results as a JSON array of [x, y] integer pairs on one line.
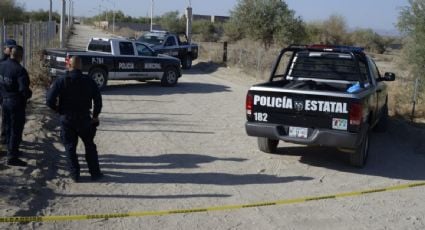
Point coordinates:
[[300, 109]]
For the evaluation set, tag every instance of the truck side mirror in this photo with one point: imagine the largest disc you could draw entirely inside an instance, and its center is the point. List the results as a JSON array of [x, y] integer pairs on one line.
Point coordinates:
[[389, 76]]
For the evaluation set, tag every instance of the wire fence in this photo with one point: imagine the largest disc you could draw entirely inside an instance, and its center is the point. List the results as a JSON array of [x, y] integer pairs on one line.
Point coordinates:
[[33, 36]]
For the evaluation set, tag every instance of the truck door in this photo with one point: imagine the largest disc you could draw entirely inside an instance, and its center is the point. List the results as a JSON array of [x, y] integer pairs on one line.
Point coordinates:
[[171, 47], [148, 65], [125, 62]]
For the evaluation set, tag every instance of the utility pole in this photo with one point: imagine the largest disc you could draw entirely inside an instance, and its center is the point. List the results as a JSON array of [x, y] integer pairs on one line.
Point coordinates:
[[62, 26], [151, 15], [50, 11], [189, 23], [69, 14]]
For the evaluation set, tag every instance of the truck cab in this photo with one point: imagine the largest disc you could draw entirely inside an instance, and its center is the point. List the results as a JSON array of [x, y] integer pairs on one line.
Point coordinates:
[[173, 45]]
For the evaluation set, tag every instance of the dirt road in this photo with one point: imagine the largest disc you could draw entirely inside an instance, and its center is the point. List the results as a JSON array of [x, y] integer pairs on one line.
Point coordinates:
[[185, 147]]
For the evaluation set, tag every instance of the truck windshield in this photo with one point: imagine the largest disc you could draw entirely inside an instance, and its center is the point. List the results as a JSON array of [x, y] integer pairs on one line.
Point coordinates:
[[322, 65], [152, 38]]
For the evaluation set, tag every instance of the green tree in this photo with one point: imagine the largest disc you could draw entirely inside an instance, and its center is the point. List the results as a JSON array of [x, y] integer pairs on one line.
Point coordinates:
[[206, 30], [11, 12], [335, 31], [264, 20], [171, 21], [369, 39], [412, 24], [233, 30]]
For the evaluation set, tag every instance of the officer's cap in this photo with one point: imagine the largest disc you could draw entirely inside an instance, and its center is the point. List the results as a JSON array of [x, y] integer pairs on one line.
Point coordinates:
[[10, 43]]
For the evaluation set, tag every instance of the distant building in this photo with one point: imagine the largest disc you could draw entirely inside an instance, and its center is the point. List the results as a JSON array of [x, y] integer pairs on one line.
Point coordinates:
[[211, 18]]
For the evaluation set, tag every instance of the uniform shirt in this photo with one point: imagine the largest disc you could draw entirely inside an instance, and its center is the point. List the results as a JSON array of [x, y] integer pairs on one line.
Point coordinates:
[[14, 80], [5, 57], [77, 93]]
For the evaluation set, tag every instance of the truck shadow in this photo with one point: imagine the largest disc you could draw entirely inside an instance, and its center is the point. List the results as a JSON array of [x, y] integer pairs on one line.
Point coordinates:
[[203, 68], [154, 88], [389, 156]]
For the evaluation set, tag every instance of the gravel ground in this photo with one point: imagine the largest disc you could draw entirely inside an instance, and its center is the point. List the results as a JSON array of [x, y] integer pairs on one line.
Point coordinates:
[[186, 147]]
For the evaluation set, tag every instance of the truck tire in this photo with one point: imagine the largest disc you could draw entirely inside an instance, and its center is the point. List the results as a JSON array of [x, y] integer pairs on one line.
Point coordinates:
[[267, 145], [382, 124], [100, 76], [187, 62], [358, 158], [170, 77]]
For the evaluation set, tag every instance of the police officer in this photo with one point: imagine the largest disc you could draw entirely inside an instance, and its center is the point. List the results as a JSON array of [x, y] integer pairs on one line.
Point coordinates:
[[76, 93], [8, 45], [14, 88]]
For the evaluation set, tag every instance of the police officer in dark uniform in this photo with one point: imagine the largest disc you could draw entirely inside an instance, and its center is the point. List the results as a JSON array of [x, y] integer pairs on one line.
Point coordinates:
[[14, 88], [9, 44], [77, 93]]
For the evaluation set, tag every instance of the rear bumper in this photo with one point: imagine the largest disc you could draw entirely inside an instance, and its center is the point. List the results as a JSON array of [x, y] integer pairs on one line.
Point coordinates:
[[317, 137]]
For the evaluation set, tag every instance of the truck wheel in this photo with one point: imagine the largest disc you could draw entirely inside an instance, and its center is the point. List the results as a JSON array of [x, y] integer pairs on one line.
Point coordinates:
[[170, 77], [187, 62], [267, 145], [99, 76], [359, 156], [383, 121]]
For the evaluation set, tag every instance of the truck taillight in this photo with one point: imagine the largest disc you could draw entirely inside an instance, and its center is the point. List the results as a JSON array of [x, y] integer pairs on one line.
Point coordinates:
[[249, 104], [356, 114]]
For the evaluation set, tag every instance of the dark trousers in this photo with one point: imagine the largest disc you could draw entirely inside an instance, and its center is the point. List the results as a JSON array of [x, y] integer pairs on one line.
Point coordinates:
[[14, 121], [3, 128], [74, 126]]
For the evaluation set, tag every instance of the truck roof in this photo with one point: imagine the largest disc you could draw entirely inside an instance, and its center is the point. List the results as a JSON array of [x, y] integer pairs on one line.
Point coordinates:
[[328, 48]]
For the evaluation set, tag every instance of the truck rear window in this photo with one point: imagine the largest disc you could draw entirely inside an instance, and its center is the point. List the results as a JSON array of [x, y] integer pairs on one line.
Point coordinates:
[[332, 66], [100, 46]]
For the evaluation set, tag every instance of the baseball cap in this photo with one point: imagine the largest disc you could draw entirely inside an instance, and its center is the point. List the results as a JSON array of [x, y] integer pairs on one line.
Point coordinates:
[[10, 43]]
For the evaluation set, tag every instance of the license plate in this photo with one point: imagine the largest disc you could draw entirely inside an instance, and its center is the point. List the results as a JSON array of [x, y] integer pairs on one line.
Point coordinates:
[[339, 124], [298, 132]]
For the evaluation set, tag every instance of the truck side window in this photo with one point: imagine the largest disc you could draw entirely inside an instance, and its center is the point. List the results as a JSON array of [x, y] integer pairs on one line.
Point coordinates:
[[143, 50], [363, 70], [170, 41], [283, 66], [375, 70], [126, 48]]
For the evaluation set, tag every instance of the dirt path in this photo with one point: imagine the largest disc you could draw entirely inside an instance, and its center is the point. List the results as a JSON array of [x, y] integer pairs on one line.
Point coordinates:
[[185, 147]]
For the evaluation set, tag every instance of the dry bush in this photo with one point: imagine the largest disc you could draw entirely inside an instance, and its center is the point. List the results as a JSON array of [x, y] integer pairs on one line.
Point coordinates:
[[127, 32], [245, 54]]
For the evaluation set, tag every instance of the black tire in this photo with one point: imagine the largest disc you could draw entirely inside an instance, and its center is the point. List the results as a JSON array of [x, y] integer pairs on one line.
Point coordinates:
[[382, 124], [359, 157], [100, 76], [187, 62], [170, 77], [267, 145]]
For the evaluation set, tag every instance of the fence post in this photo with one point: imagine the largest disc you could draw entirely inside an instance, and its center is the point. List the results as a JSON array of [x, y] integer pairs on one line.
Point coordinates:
[[415, 98], [4, 31], [225, 52], [1, 35], [24, 36]]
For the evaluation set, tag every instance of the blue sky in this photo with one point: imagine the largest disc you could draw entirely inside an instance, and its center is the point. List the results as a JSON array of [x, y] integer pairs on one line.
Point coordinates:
[[375, 14]]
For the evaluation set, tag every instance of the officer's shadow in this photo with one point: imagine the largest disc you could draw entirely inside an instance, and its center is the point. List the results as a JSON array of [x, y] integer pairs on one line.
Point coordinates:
[[165, 169]]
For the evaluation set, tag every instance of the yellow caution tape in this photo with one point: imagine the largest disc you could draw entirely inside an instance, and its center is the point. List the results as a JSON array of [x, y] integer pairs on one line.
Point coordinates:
[[198, 210]]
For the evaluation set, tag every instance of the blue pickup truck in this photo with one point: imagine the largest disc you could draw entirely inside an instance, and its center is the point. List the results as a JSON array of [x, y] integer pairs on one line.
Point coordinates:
[[173, 45]]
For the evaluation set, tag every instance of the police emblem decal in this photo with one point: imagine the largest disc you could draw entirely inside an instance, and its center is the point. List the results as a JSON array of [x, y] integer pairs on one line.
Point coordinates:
[[299, 106]]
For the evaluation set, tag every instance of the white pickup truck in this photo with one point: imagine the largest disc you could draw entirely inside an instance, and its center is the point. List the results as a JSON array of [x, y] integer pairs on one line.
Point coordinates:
[[117, 59]]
